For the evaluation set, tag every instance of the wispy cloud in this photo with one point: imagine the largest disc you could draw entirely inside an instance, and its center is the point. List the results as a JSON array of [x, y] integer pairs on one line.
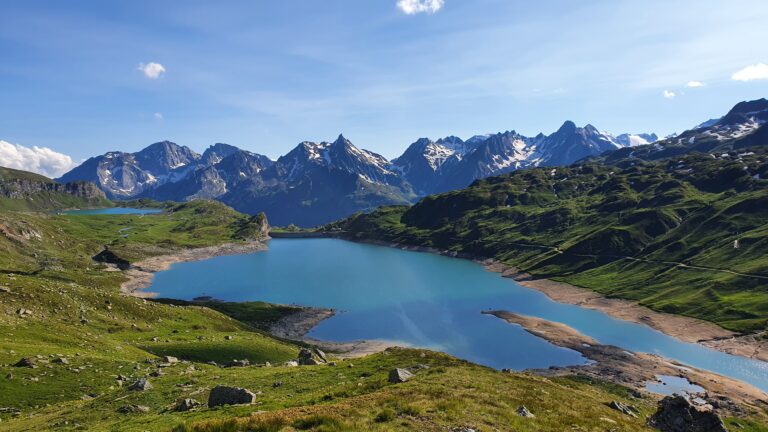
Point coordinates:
[[411, 7], [152, 70], [695, 84], [669, 94], [750, 73], [41, 160], [158, 116]]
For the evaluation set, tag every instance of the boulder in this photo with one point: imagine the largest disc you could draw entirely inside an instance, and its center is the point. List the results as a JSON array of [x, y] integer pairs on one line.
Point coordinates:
[[224, 395], [677, 414], [22, 312], [140, 385], [321, 355], [27, 362], [623, 408], [398, 375], [291, 363], [522, 411], [186, 405], [170, 360], [304, 353], [61, 360], [308, 362]]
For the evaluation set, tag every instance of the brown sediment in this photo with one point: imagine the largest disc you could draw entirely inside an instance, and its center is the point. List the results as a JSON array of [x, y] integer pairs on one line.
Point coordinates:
[[635, 370], [141, 273], [684, 328]]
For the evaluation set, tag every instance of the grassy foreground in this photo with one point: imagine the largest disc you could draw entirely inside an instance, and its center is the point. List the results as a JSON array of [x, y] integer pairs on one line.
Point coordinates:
[[685, 236], [83, 334]]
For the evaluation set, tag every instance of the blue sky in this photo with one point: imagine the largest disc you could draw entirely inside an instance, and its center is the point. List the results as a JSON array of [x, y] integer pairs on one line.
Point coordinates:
[[265, 75]]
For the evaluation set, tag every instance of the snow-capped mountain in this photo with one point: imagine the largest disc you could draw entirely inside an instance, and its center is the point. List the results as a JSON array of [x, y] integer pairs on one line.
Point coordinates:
[[126, 175], [631, 140], [316, 182], [433, 166]]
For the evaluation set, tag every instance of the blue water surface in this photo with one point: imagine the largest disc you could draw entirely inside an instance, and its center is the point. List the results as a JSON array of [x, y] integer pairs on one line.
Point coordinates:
[[424, 300], [112, 211]]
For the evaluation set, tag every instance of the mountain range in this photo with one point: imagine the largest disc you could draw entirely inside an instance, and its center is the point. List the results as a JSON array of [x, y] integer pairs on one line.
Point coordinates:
[[316, 183]]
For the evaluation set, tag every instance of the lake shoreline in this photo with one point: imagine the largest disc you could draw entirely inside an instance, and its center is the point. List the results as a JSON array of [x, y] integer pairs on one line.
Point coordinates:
[[683, 328], [292, 327], [686, 329], [634, 370]]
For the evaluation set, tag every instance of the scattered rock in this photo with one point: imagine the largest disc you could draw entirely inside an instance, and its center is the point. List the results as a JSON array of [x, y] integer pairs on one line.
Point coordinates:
[[398, 375], [238, 363], [223, 395], [186, 405], [157, 373], [623, 408], [228, 337], [61, 360], [677, 414], [277, 384], [170, 359], [23, 312], [331, 363], [133, 409], [140, 385], [522, 411], [27, 362], [321, 355], [292, 363]]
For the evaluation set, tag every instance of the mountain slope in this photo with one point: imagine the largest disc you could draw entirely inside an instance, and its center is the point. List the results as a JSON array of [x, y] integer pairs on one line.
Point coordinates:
[[317, 183], [742, 127], [686, 236]]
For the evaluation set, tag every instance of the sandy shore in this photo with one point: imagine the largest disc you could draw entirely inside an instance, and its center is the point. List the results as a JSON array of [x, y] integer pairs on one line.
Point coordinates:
[[684, 328], [634, 370], [296, 326], [141, 273]]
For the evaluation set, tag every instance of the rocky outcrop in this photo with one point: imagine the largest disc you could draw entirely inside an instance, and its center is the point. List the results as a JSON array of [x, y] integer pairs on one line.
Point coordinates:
[[677, 414], [224, 395], [108, 257], [22, 188]]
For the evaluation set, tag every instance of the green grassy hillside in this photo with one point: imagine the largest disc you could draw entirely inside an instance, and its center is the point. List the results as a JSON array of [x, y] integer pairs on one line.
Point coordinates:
[[57, 303], [687, 236]]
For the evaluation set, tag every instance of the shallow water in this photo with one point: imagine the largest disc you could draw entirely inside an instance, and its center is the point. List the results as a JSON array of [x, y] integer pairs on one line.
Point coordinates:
[[112, 211], [669, 385], [424, 300]]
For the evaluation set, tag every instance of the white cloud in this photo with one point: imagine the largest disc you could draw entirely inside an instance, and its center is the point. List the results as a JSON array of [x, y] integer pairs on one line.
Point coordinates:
[[152, 70], [751, 73], [669, 94], [411, 7], [695, 84], [41, 160], [158, 116]]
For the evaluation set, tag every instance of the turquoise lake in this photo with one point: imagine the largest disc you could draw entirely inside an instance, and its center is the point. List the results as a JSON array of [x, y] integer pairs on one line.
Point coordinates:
[[424, 300], [112, 211]]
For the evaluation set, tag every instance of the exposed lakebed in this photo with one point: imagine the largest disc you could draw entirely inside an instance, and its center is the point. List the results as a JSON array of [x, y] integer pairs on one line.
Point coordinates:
[[424, 300]]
